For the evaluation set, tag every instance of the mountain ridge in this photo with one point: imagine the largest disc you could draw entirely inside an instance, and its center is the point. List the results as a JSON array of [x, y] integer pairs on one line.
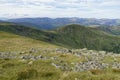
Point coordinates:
[[70, 36]]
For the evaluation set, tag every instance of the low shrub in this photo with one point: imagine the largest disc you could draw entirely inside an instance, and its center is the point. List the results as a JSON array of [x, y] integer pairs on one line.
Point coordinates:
[[96, 71], [116, 70], [26, 74], [7, 65], [47, 74], [63, 55]]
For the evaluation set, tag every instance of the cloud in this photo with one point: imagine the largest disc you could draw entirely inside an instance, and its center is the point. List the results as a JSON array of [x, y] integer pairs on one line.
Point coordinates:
[[60, 8]]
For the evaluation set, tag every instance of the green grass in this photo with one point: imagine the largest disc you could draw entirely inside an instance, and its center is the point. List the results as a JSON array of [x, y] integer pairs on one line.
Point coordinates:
[[21, 71], [12, 42]]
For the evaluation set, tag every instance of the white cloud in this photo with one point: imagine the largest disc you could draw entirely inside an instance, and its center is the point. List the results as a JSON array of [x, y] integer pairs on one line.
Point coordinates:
[[60, 8]]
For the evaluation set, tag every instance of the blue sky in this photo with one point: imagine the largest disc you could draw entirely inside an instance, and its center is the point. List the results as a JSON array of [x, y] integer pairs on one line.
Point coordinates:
[[60, 8]]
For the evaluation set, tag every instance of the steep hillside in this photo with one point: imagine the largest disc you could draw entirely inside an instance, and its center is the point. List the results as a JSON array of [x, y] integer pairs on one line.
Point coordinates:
[[71, 36]]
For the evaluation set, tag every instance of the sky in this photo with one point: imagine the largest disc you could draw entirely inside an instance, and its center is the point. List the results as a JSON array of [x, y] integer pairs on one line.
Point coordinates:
[[60, 8]]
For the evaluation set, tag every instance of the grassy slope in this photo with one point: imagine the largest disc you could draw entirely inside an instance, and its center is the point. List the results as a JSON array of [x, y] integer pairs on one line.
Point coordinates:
[[12, 42]]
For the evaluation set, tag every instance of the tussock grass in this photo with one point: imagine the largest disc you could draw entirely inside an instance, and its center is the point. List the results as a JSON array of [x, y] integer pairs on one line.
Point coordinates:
[[96, 71], [26, 74], [7, 65], [43, 70], [116, 70]]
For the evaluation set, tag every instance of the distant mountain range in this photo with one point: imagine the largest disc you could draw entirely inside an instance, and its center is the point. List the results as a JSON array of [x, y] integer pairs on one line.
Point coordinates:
[[70, 36], [1, 21], [50, 23]]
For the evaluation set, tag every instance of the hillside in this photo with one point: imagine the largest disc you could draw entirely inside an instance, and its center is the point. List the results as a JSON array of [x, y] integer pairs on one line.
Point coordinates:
[[71, 36], [115, 30], [13, 40], [76, 36], [24, 31]]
